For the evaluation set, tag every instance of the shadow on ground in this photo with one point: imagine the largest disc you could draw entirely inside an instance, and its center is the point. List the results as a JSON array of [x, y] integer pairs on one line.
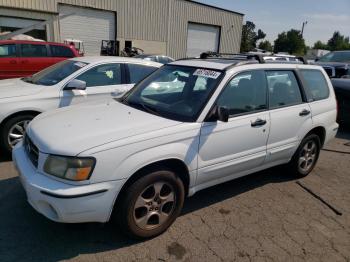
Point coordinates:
[[4, 158], [26, 235]]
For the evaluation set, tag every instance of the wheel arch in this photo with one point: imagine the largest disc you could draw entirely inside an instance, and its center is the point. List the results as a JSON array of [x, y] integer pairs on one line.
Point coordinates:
[[19, 113], [320, 131], [174, 164]]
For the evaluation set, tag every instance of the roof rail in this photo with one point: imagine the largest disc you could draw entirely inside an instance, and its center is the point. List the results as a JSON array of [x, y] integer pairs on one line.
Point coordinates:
[[208, 55]]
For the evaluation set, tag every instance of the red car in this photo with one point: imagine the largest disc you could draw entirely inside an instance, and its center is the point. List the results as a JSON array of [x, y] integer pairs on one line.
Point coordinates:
[[24, 58]]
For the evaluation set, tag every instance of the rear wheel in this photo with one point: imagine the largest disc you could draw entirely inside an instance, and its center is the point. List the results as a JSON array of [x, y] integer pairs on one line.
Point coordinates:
[[151, 204], [305, 158], [13, 131]]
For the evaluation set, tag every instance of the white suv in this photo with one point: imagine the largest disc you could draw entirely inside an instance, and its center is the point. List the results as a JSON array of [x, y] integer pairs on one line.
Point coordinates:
[[135, 159]]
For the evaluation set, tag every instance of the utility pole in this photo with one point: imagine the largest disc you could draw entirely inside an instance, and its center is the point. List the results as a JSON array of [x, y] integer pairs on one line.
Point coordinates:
[[302, 30]]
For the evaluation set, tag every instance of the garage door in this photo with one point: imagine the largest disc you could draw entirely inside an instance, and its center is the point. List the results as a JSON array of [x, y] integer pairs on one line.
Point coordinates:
[[88, 25], [202, 38]]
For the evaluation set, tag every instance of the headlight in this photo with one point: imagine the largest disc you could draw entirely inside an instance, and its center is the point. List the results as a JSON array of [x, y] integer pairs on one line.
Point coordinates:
[[71, 168]]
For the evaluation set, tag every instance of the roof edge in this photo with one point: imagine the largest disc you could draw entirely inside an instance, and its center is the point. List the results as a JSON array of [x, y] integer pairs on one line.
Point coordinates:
[[215, 7]]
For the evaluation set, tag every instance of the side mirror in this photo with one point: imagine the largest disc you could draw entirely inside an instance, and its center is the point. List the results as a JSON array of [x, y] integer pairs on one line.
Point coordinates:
[[316, 60], [75, 84], [223, 114]]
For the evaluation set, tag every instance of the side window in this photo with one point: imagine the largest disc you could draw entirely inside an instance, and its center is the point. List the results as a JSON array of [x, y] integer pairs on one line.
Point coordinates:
[[283, 89], [8, 50], [245, 93], [61, 51], [139, 72], [102, 75], [32, 50], [316, 84]]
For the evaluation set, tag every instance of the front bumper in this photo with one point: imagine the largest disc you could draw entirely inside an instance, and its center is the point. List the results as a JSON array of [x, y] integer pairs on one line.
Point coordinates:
[[62, 202]]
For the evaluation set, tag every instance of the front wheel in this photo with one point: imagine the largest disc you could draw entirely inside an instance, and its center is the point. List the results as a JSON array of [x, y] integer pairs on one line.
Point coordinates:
[[151, 204], [13, 132], [305, 158]]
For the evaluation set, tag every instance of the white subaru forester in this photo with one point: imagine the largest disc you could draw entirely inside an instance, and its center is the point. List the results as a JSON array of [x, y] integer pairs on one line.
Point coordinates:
[[190, 125]]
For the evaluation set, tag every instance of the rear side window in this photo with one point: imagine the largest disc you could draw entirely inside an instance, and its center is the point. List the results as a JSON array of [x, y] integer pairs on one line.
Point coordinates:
[[245, 93], [7, 50], [316, 84], [283, 89], [61, 51], [30, 50], [139, 72]]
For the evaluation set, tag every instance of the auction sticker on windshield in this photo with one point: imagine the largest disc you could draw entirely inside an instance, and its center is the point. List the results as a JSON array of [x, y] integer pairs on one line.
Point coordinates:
[[207, 73]]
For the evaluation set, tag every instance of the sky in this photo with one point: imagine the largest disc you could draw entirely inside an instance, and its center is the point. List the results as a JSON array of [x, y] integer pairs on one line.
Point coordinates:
[[275, 16]]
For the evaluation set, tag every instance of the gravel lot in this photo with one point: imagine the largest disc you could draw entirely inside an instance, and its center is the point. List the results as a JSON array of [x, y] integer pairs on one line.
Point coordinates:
[[267, 216]]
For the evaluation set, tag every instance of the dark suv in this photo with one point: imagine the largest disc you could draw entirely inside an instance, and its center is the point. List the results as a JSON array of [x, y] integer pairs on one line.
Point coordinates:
[[24, 58], [336, 64]]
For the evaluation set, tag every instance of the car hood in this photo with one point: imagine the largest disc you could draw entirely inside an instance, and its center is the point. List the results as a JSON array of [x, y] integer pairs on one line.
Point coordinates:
[[16, 87], [72, 130], [332, 64]]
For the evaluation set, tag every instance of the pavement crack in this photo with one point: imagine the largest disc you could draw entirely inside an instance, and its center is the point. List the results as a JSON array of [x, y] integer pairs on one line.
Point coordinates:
[[331, 207]]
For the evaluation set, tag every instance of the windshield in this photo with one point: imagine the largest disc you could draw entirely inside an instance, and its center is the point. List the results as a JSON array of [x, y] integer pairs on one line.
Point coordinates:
[[175, 92], [55, 74], [336, 57]]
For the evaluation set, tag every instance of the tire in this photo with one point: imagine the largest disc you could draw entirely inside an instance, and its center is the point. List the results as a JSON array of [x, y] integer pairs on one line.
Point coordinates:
[[306, 156], [9, 126], [140, 211]]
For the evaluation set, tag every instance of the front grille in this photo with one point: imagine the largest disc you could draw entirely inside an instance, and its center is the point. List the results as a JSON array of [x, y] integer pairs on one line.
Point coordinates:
[[32, 151]]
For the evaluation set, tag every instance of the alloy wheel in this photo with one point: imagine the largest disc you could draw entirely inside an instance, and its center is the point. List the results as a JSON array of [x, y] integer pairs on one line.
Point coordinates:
[[307, 156], [154, 206], [16, 133]]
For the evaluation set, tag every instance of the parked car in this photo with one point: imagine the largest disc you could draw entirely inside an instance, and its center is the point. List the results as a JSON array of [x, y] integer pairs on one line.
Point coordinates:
[[135, 159], [286, 58], [24, 58], [67, 83], [342, 91], [336, 64], [156, 58]]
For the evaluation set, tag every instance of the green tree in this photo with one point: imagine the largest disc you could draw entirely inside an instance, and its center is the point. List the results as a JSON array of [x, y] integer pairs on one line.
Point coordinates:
[[338, 42], [320, 45], [250, 37], [265, 45], [291, 42]]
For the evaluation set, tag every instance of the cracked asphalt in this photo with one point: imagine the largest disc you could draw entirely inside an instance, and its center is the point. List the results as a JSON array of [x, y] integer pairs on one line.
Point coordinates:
[[266, 216]]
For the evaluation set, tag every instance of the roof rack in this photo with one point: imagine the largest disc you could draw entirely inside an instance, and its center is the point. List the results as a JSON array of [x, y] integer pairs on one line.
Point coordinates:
[[232, 56]]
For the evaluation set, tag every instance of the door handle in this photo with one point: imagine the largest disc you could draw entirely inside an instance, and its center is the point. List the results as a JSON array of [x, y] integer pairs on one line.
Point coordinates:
[[13, 62], [305, 112], [25, 61], [259, 122]]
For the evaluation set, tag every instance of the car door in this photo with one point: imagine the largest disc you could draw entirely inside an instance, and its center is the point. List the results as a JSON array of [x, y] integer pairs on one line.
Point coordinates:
[[8, 61], [102, 81], [290, 115], [229, 149], [33, 58]]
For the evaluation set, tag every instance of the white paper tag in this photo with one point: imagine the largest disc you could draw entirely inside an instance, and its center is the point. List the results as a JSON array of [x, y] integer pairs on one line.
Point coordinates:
[[207, 73]]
